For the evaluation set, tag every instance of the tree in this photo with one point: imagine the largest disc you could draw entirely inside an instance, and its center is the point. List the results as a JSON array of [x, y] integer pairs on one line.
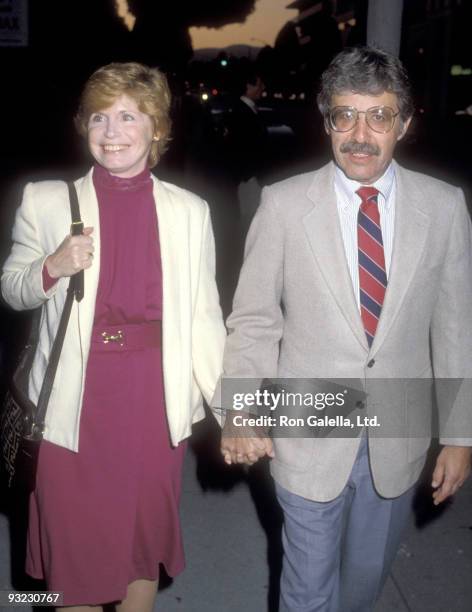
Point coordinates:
[[161, 31], [79, 36]]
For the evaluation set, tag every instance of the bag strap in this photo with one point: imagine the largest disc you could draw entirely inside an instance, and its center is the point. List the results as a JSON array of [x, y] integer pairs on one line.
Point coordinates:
[[76, 228], [74, 290]]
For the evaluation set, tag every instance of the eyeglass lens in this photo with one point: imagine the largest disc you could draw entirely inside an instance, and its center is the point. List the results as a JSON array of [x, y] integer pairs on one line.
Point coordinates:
[[378, 118]]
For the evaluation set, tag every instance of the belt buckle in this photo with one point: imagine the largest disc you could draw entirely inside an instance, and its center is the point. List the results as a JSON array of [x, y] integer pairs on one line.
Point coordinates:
[[118, 337]]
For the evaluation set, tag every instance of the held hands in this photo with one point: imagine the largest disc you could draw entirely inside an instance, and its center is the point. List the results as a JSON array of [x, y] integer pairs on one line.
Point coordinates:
[[453, 466], [244, 444], [75, 253]]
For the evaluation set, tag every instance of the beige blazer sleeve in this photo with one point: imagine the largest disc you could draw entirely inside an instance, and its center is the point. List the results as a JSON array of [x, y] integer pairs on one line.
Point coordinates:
[[22, 286], [451, 333]]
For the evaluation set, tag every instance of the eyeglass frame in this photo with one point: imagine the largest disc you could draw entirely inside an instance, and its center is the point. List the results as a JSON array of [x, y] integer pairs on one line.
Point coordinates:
[[358, 112]]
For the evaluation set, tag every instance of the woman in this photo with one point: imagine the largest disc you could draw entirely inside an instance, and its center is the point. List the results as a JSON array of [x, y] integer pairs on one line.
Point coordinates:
[[104, 514]]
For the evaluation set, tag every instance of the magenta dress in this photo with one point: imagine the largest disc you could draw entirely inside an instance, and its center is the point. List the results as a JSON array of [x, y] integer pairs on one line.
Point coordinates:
[[108, 515]]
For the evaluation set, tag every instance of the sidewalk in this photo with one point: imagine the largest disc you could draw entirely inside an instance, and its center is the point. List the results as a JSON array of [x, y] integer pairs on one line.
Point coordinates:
[[227, 552], [232, 561]]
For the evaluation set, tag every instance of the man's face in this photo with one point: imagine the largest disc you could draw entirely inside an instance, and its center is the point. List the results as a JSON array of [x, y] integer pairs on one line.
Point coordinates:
[[362, 153], [254, 92]]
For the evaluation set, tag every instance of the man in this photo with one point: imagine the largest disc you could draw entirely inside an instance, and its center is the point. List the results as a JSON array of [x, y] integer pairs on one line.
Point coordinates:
[[247, 143], [360, 270]]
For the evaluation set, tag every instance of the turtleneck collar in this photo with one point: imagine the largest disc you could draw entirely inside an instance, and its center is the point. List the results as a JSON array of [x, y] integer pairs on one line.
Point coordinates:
[[103, 178]]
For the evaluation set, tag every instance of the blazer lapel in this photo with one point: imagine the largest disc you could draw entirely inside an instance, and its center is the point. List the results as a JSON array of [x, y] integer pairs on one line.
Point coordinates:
[[88, 205], [411, 230], [323, 231], [171, 231]]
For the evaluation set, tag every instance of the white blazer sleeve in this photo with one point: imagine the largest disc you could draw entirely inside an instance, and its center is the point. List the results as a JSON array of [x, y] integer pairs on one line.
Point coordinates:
[[22, 285], [208, 331]]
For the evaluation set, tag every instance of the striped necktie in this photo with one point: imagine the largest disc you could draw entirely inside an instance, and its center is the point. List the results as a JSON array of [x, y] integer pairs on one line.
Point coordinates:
[[372, 274]]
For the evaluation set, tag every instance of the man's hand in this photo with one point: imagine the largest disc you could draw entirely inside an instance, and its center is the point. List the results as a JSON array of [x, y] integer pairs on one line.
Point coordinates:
[[245, 450], [451, 471], [244, 444]]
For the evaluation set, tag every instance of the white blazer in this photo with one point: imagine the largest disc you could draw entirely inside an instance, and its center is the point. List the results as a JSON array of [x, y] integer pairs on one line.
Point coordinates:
[[193, 329]]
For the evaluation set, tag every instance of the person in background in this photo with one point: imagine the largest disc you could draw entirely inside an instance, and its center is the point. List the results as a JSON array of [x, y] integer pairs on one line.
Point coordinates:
[[142, 349], [247, 145], [359, 270]]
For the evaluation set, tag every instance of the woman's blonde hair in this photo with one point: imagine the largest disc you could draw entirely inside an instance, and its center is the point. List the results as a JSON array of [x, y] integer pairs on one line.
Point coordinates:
[[147, 86]]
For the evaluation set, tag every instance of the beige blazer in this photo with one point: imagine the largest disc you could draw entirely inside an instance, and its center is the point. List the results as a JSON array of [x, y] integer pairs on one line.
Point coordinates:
[[193, 330], [295, 315]]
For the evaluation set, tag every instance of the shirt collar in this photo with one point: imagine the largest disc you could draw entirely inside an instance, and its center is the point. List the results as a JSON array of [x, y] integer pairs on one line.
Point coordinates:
[[252, 105], [347, 187]]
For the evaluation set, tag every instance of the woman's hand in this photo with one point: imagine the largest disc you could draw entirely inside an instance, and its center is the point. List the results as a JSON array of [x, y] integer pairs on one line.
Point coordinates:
[[244, 444], [75, 253], [247, 450]]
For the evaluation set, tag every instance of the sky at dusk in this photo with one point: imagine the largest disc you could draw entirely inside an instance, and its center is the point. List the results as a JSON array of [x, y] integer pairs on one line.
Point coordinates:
[[263, 25]]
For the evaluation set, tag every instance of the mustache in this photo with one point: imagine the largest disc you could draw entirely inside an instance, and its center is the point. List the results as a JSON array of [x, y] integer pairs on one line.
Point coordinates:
[[359, 147]]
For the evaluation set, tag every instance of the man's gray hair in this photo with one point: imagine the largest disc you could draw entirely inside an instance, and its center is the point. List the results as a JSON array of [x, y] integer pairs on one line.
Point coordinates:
[[365, 70]]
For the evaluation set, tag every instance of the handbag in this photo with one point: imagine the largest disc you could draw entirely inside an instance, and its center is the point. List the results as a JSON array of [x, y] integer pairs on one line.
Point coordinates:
[[22, 422]]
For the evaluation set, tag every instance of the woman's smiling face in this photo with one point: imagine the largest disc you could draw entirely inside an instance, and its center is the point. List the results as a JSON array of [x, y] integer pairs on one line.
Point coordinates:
[[120, 137]]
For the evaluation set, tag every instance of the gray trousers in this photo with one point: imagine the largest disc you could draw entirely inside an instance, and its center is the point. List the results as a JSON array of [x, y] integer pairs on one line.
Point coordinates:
[[337, 554]]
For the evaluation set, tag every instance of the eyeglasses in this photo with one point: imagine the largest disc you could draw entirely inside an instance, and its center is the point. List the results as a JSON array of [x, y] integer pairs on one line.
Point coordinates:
[[381, 119]]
